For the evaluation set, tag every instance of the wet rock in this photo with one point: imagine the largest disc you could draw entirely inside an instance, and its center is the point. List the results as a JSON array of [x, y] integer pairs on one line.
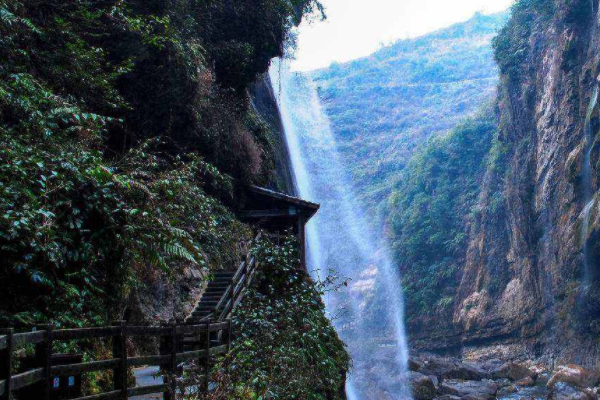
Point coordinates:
[[527, 381], [423, 387], [564, 391], [472, 390], [513, 371], [447, 397], [415, 364], [504, 382], [574, 375], [452, 369], [511, 389]]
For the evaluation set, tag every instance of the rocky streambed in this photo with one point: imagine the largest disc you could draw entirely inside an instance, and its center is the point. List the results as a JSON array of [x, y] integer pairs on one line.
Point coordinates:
[[442, 378]]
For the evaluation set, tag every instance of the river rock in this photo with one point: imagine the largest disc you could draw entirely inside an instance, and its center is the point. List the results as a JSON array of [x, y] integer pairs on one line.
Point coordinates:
[[527, 381], [574, 375], [564, 391], [423, 387], [415, 364], [513, 371], [452, 369], [472, 390]]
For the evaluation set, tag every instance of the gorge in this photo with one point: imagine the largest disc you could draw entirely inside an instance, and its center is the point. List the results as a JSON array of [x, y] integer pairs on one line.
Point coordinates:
[[494, 221], [455, 254]]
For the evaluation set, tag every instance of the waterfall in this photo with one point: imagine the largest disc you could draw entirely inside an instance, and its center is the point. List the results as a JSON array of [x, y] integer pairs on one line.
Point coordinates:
[[368, 314], [587, 186]]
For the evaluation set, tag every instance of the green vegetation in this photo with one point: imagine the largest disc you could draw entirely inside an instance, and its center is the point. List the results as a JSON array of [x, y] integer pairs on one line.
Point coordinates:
[[431, 207], [285, 347], [125, 137], [385, 107], [125, 134], [511, 46]]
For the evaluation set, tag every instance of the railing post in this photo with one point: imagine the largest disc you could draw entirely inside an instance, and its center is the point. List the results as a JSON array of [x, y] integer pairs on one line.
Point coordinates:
[[173, 346], [165, 343], [43, 356], [229, 335], [120, 352], [207, 359], [180, 336], [6, 357]]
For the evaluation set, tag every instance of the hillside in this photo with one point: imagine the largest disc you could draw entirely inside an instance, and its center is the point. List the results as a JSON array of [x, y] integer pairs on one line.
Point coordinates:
[[128, 142], [384, 107]]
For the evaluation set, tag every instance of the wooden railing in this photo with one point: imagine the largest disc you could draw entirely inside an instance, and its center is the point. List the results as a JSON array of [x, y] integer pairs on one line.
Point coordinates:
[[39, 380], [235, 292], [213, 337]]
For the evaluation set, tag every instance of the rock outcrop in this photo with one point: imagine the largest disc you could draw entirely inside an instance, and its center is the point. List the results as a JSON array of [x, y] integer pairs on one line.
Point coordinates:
[[525, 291]]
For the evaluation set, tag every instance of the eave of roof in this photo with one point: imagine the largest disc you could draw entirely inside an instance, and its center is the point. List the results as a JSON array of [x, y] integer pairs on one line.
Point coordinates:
[[309, 206]]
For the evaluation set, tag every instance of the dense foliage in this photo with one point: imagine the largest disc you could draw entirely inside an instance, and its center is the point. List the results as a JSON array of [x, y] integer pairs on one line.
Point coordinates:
[[430, 210], [285, 348], [511, 46], [384, 107], [124, 131]]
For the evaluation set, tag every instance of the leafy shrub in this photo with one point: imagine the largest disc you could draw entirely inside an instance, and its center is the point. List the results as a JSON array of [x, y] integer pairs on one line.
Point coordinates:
[[285, 347], [120, 144], [512, 45]]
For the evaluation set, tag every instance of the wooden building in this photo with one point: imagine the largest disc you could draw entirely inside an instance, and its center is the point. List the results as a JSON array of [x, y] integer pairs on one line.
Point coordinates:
[[278, 214]]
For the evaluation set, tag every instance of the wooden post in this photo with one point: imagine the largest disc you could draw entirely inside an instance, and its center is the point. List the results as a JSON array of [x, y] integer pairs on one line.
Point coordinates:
[[302, 240], [173, 345], [6, 357], [228, 335], [120, 352], [43, 357], [207, 358], [165, 343]]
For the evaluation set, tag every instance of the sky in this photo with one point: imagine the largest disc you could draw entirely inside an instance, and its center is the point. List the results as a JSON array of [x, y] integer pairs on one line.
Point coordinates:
[[356, 28]]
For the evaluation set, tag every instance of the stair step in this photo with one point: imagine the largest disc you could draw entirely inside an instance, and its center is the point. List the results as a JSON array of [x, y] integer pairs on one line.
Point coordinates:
[[201, 313], [222, 278], [214, 293]]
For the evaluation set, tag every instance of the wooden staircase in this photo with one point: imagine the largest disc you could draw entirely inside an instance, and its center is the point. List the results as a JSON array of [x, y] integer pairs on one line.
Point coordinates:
[[223, 292], [213, 294]]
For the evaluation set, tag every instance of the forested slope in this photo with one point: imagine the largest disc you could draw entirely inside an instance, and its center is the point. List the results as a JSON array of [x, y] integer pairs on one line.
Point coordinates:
[[126, 139], [384, 107]]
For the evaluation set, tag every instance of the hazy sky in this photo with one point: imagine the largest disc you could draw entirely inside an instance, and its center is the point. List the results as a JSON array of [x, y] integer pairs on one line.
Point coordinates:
[[356, 28]]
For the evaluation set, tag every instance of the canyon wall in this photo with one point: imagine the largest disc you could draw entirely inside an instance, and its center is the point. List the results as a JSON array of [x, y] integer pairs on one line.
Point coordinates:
[[525, 291]]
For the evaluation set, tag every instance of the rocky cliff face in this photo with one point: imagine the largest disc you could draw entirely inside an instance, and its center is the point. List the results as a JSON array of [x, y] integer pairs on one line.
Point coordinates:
[[525, 288], [264, 102]]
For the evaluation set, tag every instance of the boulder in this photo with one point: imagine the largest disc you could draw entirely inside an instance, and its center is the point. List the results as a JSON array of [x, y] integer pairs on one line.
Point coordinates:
[[423, 387], [527, 381], [452, 369], [564, 391], [472, 390], [513, 371], [574, 375], [415, 364]]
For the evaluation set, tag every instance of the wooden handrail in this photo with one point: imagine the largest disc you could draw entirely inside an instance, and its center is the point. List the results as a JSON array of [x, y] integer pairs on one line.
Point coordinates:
[[169, 358], [234, 291]]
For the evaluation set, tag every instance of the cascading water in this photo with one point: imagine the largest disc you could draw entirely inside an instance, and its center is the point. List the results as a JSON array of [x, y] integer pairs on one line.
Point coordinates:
[[587, 186], [369, 313]]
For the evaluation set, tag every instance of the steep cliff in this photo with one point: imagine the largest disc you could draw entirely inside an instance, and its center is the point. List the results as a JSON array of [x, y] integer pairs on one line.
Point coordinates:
[[530, 283], [264, 102]]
